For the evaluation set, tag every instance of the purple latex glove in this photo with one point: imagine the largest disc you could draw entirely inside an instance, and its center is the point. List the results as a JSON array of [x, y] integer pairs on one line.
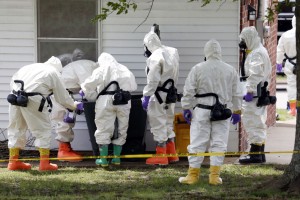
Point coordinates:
[[279, 67], [79, 105], [145, 102], [187, 115], [81, 93], [68, 118], [248, 97], [235, 118]]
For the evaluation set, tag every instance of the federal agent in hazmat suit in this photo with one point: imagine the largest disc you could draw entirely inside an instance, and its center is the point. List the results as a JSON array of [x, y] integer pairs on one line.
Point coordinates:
[[286, 50], [103, 86], [211, 76], [72, 76], [258, 69], [162, 75], [40, 80]]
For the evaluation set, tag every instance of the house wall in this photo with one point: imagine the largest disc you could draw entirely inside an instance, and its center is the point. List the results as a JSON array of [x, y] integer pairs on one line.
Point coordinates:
[[270, 43], [185, 26]]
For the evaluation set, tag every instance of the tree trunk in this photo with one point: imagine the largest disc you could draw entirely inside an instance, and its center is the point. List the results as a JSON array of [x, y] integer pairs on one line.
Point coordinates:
[[291, 177]]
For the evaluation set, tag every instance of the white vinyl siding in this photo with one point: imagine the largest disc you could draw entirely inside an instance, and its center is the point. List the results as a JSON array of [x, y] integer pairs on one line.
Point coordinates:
[[185, 26], [17, 45]]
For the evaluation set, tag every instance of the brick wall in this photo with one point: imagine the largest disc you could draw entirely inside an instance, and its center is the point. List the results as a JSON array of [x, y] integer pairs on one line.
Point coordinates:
[[271, 44]]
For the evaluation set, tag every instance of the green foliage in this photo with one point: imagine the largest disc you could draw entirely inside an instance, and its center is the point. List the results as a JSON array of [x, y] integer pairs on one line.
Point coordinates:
[[120, 7]]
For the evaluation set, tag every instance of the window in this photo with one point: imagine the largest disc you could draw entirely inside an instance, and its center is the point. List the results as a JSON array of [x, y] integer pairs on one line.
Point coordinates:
[[64, 25]]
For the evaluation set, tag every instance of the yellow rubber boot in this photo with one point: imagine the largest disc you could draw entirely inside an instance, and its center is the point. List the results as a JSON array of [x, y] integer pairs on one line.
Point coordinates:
[[45, 165], [66, 153], [293, 110], [192, 177], [214, 176], [14, 163]]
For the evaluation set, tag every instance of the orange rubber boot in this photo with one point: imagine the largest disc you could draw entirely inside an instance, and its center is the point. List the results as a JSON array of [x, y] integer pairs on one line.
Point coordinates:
[[45, 165], [66, 153], [171, 150], [14, 164], [158, 160], [293, 110]]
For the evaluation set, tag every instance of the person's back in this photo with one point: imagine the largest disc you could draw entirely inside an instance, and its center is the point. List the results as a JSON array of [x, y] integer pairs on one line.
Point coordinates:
[[76, 72], [210, 122], [40, 79], [215, 76]]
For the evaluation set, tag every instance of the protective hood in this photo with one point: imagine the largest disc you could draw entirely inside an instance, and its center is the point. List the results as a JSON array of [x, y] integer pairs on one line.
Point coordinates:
[[152, 41], [78, 54], [212, 49], [65, 59], [55, 62], [105, 60], [294, 21], [250, 36]]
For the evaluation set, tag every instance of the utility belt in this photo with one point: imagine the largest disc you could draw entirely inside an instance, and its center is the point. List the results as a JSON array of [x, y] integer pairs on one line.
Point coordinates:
[[263, 95], [218, 110], [120, 97], [20, 97], [291, 60], [172, 95]]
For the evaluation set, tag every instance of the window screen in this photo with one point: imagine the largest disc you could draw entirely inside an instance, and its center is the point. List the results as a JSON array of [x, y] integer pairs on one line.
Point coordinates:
[[64, 25]]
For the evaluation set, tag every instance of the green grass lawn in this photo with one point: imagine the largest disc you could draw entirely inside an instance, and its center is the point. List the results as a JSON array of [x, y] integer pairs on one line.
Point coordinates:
[[239, 182]]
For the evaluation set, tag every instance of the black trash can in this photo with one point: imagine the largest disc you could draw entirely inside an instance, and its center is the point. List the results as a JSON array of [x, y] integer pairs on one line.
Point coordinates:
[[135, 143], [89, 113]]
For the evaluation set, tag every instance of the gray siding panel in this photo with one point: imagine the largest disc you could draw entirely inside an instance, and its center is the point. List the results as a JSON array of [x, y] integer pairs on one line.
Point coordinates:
[[17, 44]]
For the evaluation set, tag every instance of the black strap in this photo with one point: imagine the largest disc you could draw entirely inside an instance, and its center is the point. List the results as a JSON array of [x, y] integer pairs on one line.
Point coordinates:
[[207, 95], [242, 66], [105, 92], [290, 59], [30, 94], [163, 89]]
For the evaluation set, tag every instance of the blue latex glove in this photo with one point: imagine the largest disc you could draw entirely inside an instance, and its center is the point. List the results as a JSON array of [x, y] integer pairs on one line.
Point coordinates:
[[248, 97], [235, 118], [187, 115], [81, 93], [145, 102], [279, 67], [79, 105]]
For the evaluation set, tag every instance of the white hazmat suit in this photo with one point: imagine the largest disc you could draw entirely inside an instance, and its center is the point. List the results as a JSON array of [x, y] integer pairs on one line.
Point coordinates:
[[43, 78], [72, 76], [258, 69], [287, 45], [162, 65], [211, 76], [109, 70]]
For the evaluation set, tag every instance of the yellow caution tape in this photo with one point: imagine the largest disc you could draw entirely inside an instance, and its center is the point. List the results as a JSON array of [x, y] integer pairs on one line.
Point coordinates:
[[164, 155]]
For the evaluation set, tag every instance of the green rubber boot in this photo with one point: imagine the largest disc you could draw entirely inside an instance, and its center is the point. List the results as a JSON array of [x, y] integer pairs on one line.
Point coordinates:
[[103, 152], [117, 152]]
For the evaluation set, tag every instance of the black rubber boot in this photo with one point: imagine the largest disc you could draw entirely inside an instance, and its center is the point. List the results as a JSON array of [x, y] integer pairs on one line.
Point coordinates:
[[253, 158]]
